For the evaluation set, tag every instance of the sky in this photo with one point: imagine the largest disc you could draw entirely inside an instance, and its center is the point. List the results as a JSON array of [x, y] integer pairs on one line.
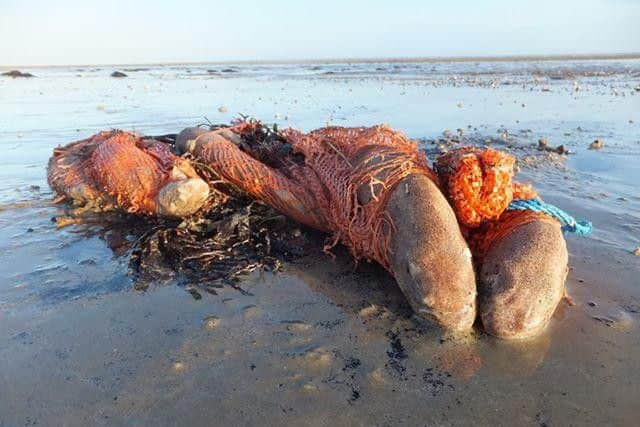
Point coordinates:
[[61, 32]]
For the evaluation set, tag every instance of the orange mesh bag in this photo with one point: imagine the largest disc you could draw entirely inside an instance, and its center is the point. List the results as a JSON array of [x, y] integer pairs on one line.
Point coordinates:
[[322, 190], [479, 184], [117, 170], [70, 167]]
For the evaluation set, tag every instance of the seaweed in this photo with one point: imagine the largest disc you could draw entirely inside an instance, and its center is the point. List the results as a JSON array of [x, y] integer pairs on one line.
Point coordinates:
[[229, 237], [216, 248]]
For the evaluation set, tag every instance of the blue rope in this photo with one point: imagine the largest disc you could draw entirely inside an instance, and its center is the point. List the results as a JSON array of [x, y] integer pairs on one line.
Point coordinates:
[[569, 223]]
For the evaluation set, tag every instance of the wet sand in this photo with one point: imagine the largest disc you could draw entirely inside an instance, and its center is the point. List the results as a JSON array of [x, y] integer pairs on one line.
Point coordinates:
[[320, 343]]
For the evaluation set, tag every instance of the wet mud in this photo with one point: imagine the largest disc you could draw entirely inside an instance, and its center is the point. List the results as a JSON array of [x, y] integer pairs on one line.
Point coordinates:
[[84, 339]]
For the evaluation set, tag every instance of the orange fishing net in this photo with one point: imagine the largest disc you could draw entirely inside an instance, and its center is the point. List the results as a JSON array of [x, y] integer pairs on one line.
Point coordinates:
[[481, 239], [479, 184], [341, 186], [333, 179], [348, 174], [69, 167], [116, 169]]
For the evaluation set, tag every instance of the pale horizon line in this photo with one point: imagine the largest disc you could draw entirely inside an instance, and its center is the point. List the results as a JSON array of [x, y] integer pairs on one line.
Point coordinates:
[[363, 60]]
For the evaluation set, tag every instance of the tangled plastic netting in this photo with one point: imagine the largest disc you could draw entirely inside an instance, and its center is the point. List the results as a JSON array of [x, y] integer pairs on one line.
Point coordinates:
[[337, 180], [116, 169], [479, 184], [70, 166], [489, 204], [334, 179], [232, 235]]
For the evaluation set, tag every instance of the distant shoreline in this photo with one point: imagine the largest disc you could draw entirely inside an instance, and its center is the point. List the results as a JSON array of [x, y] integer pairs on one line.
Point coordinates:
[[434, 59]]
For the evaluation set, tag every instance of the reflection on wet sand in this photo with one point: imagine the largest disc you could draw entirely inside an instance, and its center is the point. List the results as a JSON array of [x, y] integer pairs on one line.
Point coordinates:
[[517, 358]]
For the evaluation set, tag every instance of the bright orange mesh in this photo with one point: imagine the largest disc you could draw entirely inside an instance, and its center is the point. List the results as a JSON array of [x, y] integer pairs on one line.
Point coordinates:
[[339, 164], [117, 168], [524, 191], [482, 239], [69, 168], [342, 185], [342, 164], [124, 171], [479, 185], [296, 197], [350, 160]]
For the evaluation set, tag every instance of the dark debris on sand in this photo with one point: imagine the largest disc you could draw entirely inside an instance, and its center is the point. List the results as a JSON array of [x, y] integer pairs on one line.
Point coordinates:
[[543, 145], [267, 145], [436, 382], [17, 73], [216, 248], [396, 354]]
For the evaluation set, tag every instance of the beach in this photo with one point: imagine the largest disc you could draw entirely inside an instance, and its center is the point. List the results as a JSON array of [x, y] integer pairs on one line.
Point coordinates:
[[323, 342]]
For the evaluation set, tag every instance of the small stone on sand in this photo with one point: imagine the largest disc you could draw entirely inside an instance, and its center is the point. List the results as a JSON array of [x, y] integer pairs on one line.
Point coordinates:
[[251, 311], [379, 377], [309, 387], [211, 322], [318, 359], [369, 311], [118, 74], [296, 326], [596, 145], [561, 149]]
